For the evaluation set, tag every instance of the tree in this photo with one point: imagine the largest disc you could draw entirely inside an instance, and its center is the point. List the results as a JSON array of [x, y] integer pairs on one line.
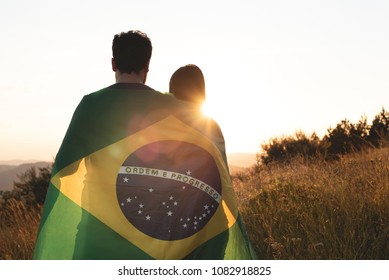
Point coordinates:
[[359, 133], [379, 130], [347, 137], [285, 148], [32, 186]]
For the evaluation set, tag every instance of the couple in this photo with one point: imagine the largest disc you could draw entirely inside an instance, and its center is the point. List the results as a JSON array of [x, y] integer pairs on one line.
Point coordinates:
[[140, 174]]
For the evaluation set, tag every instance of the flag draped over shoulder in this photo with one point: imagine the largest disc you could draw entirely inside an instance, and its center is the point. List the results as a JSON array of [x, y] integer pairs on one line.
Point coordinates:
[[141, 175]]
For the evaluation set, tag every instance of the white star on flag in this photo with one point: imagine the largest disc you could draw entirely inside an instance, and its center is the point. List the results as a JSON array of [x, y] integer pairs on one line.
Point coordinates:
[[148, 217], [169, 213], [125, 179], [129, 200], [188, 172]]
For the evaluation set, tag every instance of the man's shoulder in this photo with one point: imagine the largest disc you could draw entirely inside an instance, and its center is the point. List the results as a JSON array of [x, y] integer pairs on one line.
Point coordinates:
[[126, 89], [126, 98]]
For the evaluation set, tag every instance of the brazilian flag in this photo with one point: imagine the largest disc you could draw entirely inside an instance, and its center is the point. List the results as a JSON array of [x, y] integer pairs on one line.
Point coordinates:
[[141, 175]]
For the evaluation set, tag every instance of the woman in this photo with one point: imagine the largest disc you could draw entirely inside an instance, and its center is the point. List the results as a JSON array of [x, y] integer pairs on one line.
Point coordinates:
[[188, 84]]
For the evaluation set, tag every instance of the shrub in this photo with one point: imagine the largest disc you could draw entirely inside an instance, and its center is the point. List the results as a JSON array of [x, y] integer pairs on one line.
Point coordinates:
[[345, 138]]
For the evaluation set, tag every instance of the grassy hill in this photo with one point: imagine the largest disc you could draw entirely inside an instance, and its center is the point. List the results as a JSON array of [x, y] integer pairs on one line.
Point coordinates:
[[318, 210]]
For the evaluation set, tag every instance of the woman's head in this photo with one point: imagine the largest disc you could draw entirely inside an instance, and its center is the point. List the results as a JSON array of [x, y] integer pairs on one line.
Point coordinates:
[[188, 84]]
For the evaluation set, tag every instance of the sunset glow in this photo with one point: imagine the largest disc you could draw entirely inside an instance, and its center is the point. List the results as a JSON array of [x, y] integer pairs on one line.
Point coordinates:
[[276, 68]]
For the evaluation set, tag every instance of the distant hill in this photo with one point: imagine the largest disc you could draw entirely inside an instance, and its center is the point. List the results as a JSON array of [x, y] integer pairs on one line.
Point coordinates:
[[241, 159], [236, 169], [17, 162], [4, 167], [9, 173]]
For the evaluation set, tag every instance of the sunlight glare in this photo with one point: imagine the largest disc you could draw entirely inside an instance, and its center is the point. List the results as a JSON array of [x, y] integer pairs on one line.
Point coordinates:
[[206, 109]]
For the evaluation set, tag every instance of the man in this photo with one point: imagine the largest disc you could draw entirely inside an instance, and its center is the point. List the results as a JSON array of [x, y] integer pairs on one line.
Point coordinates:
[[140, 175]]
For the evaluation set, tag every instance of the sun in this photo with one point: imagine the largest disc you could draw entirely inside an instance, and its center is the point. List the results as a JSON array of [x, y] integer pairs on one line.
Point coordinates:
[[215, 111], [206, 109]]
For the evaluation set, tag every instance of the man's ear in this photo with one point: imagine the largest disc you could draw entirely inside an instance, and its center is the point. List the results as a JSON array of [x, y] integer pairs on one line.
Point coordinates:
[[146, 71], [114, 68]]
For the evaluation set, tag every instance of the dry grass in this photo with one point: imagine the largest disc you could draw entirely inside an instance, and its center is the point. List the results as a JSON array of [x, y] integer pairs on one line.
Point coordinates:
[[318, 210], [18, 230]]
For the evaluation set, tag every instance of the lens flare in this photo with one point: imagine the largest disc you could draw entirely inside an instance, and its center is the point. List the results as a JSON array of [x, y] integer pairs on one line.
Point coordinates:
[[206, 109]]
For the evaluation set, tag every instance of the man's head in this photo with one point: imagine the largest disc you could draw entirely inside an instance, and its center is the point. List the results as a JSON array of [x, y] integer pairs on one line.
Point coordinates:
[[188, 84], [131, 52]]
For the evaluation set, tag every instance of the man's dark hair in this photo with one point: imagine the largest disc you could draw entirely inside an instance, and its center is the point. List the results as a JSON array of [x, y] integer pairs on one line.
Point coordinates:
[[131, 51]]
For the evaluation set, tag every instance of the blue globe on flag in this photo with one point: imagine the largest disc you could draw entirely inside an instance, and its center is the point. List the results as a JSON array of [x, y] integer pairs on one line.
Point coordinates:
[[169, 189]]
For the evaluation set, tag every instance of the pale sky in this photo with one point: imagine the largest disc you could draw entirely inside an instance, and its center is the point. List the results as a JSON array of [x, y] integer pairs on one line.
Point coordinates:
[[271, 67]]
